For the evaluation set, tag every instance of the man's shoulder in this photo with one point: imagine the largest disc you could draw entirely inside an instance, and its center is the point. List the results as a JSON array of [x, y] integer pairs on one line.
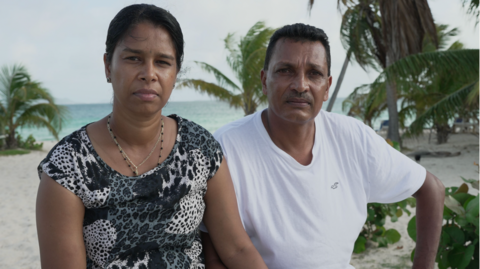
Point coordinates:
[[339, 123], [239, 127]]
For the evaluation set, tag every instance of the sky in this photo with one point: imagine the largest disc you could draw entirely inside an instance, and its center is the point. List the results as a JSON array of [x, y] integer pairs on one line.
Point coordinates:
[[62, 42]]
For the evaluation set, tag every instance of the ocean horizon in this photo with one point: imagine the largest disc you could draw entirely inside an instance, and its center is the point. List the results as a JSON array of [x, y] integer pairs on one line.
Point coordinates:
[[209, 114]]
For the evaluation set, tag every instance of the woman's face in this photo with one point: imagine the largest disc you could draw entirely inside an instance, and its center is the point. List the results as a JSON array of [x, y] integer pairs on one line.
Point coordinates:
[[143, 69]]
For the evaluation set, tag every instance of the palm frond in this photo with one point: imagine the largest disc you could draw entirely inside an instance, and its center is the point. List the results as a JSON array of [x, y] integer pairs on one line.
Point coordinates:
[[222, 80], [211, 89], [462, 62], [443, 110], [245, 57]]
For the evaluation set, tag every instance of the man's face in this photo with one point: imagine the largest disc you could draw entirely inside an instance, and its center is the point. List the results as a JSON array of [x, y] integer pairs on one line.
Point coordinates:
[[296, 82]]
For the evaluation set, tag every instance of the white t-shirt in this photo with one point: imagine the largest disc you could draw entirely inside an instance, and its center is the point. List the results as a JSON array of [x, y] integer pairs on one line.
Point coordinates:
[[310, 216]]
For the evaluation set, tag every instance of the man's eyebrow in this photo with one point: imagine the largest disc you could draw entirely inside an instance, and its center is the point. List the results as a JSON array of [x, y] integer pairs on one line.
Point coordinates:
[[287, 64], [314, 65], [160, 55]]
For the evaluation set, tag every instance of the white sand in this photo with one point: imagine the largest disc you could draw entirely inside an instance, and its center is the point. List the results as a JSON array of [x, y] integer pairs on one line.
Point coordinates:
[[19, 182]]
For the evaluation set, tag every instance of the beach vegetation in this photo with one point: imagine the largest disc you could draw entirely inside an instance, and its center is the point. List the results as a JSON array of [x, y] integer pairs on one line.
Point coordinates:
[[28, 143], [245, 57], [10, 152], [459, 241], [374, 229], [26, 103]]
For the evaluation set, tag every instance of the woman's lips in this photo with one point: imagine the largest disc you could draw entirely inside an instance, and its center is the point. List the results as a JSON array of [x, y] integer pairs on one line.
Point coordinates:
[[146, 94]]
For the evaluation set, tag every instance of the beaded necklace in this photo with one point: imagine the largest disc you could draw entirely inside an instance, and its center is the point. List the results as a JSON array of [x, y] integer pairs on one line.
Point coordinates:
[[125, 156]]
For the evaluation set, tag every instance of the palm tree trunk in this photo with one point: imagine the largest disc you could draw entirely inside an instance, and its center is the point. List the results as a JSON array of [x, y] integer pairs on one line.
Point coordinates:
[[443, 131], [339, 83], [11, 141], [393, 130]]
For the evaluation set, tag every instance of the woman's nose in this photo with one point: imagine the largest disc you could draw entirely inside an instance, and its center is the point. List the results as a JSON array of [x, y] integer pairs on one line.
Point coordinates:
[[148, 73]]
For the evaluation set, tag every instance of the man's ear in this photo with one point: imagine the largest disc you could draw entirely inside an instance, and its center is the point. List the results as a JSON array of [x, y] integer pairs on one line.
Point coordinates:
[[325, 97], [263, 77], [107, 66]]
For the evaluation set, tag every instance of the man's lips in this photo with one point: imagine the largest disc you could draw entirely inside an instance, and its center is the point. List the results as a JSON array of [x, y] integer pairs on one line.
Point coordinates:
[[146, 94], [298, 102]]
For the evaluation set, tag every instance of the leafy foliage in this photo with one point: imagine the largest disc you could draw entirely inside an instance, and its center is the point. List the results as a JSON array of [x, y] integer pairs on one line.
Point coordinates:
[[459, 242], [435, 87], [373, 228], [29, 143], [246, 58], [24, 102]]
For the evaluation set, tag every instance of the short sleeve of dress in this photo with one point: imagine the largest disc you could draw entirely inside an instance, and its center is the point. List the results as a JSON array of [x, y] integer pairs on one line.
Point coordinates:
[[392, 176], [215, 156], [198, 139], [69, 163], [61, 165]]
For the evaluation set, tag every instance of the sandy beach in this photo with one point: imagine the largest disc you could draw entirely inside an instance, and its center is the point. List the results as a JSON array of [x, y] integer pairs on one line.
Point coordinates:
[[19, 182]]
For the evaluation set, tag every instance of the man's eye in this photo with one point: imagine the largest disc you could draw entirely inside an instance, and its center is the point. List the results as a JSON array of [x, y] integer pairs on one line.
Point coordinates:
[[315, 73], [133, 58], [283, 70]]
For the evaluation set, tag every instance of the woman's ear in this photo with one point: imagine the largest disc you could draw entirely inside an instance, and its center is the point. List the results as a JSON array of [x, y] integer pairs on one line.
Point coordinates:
[[107, 67]]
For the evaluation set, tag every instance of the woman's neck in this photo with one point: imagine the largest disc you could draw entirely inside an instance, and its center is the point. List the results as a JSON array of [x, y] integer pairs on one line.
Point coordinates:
[[134, 129]]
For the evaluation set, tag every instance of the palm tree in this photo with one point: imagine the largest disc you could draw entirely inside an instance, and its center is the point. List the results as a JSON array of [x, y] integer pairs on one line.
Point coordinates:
[[368, 107], [24, 102], [380, 32], [435, 86], [246, 60]]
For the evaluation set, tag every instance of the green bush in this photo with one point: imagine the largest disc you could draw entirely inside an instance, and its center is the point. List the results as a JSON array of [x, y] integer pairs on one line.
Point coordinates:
[[459, 241], [29, 143], [373, 228]]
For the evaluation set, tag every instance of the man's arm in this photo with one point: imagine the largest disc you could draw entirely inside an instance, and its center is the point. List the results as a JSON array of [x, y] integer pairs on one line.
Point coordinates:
[[430, 198]]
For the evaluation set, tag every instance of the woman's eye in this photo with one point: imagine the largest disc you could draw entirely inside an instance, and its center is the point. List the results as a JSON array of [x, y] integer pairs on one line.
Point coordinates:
[[163, 62]]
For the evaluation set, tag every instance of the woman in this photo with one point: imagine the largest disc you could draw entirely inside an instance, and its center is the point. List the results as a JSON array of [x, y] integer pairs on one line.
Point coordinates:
[[131, 188]]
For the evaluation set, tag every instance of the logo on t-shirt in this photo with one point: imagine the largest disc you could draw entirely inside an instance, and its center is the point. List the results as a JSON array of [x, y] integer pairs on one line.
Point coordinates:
[[334, 186]]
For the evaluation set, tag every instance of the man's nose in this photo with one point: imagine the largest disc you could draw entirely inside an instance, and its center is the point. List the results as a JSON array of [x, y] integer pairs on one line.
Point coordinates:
[[148, 72], [300, 83]]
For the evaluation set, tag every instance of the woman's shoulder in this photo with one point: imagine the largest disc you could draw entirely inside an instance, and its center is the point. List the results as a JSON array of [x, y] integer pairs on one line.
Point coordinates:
[[192, 132], [62, 158], [192, 136], [75, 142]]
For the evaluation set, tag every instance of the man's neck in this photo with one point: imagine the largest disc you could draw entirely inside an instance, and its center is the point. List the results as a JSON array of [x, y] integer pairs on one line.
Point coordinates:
[[295, 139]]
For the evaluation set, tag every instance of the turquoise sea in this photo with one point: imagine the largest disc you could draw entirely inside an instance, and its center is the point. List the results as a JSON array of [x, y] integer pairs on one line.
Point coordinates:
[[210, 114]]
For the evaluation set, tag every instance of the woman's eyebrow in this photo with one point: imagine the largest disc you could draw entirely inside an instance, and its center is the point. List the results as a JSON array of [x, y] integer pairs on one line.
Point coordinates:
[[127, 49], [160, 55]]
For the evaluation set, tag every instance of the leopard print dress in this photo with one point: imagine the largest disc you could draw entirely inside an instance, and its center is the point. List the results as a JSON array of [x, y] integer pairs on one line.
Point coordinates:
[[146, 221]]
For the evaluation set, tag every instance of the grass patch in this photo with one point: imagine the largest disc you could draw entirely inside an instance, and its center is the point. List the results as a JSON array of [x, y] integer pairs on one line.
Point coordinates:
[[10, 152]]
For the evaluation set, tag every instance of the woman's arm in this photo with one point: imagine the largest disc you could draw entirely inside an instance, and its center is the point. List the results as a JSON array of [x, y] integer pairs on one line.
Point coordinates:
[[212, 261], [223, 222], [60, 226]]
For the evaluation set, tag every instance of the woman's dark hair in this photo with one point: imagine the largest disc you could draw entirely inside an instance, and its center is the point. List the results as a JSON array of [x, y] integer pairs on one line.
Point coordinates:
[[298, 32], [138, 13]]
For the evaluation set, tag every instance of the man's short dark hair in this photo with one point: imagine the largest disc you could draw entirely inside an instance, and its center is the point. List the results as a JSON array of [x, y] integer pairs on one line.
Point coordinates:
[[298, 32]]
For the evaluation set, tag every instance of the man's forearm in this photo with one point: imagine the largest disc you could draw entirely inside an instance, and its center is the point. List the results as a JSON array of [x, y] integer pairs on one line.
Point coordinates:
[[430, 198]]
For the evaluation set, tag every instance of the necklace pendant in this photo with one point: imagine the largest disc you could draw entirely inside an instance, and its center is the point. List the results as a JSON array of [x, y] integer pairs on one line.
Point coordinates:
[[135, 172]]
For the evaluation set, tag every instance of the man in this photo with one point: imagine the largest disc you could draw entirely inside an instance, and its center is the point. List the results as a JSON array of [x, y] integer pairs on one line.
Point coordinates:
[[303, 177]]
